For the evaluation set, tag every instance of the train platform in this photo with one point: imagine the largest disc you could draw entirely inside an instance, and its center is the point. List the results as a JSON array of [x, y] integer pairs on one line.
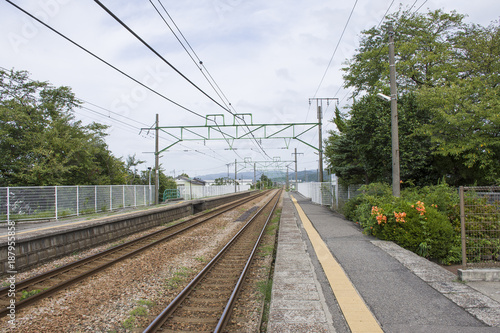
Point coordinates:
[[34, 227], [329, 277]]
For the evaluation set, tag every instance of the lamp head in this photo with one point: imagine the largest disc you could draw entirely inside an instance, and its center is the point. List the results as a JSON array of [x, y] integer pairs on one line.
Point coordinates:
[[384, 97]]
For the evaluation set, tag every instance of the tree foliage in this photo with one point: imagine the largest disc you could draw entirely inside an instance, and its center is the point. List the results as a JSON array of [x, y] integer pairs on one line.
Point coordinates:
[[448, 77], [41, 143]]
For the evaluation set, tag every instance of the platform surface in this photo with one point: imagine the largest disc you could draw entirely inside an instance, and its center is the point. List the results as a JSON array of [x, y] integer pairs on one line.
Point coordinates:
[[321, 256]]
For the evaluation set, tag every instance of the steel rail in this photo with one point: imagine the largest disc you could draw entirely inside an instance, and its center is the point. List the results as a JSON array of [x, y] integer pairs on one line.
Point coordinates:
[[68, 268], [157, 323], [226, 315]]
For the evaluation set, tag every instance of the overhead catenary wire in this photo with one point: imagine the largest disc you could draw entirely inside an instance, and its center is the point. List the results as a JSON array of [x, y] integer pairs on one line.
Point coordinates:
[[336, 48], [378, 26], [163, 59], [104, 61], [200, 65], [156, 52], [130, 126]]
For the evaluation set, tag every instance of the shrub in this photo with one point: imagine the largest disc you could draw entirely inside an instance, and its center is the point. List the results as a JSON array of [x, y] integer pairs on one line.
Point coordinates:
[[422, 220]]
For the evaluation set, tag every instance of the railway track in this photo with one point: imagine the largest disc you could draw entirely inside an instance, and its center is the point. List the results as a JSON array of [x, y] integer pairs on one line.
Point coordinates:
[[206, 303], [38, 287]]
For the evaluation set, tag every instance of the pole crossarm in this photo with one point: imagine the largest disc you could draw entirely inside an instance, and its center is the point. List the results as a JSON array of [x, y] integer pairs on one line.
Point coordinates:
[[235, 131]]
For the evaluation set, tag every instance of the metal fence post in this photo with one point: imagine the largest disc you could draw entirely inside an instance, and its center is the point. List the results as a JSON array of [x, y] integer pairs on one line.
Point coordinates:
[[123, 195], [462, 226], [77, 200], [110, 198], [95, 198], [135, 195], [8, 205], [55, 199]]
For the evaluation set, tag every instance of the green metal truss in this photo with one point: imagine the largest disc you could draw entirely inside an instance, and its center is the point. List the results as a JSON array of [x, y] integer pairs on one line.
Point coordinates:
[[218, 130]]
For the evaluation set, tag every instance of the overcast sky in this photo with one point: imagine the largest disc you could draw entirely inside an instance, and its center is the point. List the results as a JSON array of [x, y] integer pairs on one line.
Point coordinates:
[[268, 58]]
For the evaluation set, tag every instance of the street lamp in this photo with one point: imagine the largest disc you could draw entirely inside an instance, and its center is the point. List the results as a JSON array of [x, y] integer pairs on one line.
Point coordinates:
[[384, 97]]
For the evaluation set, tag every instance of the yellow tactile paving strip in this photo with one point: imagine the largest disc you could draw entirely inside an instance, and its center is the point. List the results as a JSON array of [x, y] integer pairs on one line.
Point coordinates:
[[356, 313]]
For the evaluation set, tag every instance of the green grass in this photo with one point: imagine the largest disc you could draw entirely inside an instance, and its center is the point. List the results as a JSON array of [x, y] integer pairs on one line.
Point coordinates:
[[139, 311], [26, 294], [265, 288], [267, 249], [178, 277], [146, 303], [129, 323]]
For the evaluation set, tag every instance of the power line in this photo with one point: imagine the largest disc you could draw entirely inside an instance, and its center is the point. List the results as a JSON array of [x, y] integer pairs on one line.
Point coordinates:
[[156, 53], [336, 47], [200, 65], [104, 61], [378, 26]]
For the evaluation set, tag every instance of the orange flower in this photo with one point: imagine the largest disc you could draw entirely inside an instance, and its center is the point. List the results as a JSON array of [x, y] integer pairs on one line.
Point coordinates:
[[420, 207], [400, 217]]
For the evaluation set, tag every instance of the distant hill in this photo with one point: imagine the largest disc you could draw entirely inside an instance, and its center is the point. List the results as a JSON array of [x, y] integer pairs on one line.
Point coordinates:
[[279, 176]]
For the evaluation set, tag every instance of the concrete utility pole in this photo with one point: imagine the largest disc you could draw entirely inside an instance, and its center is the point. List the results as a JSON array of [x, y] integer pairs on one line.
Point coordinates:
[[286, 186], [295, 153], [320, 146], [394, 117], [254, 174], [235, 174], [319, 105], [157, 157]]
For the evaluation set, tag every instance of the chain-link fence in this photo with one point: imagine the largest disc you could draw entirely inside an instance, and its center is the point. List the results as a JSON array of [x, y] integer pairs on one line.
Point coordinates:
[[329, 193], [480, 224], [53, 202], [196, 192]]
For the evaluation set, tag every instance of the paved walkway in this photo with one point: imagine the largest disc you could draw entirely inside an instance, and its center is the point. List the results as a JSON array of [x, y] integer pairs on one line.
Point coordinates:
[[402, 291]]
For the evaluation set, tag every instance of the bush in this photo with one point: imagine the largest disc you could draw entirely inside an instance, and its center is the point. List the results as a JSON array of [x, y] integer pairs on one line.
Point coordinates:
[[422, 220]]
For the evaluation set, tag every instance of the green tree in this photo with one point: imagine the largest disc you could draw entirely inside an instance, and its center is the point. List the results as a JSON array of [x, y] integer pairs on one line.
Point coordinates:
[[221, 181], [264, 182], [42, 144], [362, 152], [466, 107], [448, 102], [131, 164]]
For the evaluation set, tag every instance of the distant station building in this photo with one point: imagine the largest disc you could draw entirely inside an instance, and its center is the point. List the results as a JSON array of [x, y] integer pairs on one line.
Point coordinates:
[[183, 182]]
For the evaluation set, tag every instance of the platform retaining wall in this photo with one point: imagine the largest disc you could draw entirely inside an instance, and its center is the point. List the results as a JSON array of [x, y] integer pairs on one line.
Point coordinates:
[[37, 249]]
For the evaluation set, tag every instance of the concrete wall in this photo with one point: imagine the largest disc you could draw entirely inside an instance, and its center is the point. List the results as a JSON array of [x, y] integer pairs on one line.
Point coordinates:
[[36, 249]]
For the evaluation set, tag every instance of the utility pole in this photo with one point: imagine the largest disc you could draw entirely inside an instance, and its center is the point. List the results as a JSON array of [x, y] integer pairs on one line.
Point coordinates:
[[286, 186], [235, 174], [295, 153], [319, 105], [254, 174], [394, 117], [157, 164]]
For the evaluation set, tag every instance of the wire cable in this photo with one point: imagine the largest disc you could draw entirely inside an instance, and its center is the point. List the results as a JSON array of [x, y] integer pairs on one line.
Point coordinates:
[[336, 48], [156, 53], [200, 65], [104, 61]]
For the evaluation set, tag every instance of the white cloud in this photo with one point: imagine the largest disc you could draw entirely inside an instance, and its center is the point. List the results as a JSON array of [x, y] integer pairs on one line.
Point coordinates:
[[267, 56]]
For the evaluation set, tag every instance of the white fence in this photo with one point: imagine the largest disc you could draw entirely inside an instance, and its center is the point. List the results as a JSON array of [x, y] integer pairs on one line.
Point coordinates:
[[328, 194], [197, 192], [53, 202]]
